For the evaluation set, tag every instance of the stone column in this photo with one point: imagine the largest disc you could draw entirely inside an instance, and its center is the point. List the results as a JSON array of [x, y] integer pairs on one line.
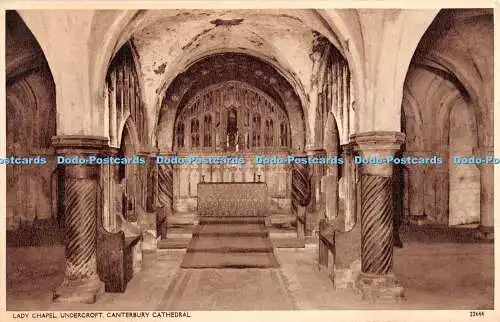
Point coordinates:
[[165, 196], [376, 280], [317, 172], [81, 281], [486, 224], [301, 194]]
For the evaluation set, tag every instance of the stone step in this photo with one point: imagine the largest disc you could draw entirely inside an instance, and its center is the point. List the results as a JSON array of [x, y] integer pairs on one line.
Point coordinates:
[[293, 242], [191, 218], [226, 244], [181, 219], [191, 229], [173, 243], [182, 242], [283, 219], [273, 232], [230, 260], [231, 220], [231, 230], [183, 232]]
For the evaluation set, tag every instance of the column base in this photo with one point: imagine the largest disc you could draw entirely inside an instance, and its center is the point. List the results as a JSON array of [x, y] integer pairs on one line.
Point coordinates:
[[379, 288], [78, 292], [484, 233], [345, 278]]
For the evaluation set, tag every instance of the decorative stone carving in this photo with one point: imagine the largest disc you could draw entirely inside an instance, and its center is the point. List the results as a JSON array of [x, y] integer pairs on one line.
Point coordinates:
[[330, 91], [123, 97], [245, 119], [81, 281], [281, 92]]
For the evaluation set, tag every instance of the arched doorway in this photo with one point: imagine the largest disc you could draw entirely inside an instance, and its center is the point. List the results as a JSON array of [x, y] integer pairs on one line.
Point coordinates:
[[128, 173]]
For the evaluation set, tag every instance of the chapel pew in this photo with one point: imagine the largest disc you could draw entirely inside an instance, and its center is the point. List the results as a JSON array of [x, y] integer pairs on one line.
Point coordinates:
[[115, 253], [326, 251]]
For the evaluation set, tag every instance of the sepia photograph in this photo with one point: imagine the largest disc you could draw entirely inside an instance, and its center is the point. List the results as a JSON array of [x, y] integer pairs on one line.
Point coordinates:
[[162, 162]]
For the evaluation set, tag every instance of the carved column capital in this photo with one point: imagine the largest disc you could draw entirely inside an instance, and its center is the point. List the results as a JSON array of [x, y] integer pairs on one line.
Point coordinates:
[[378, 144], [315, 151], [348, 148], [80, 144], [146, 151]]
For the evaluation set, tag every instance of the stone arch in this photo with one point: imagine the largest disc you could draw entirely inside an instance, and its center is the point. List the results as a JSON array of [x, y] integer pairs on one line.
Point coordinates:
[[181, 90], [183, 65], [107, 29], [24, 57], [31, 123], [129, 135], [345, 25], [449, 48], [331, 142], [111, 29], [129, 174]]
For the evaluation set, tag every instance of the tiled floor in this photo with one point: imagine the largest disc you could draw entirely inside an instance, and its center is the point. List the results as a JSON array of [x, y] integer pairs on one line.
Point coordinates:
[[435, 276]]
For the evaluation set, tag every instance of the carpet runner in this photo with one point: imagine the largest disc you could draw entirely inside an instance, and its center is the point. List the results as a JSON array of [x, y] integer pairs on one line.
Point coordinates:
[[230, 242]]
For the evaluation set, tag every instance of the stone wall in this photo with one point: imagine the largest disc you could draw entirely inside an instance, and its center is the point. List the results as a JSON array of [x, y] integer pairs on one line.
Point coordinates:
[[31, 123]]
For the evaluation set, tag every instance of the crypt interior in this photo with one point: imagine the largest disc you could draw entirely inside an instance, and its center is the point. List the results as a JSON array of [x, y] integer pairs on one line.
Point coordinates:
[[337, 82]]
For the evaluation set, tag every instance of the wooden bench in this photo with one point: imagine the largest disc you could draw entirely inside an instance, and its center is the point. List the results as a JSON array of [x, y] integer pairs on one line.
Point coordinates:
[[326, 251], [115, 255], [115, 259]]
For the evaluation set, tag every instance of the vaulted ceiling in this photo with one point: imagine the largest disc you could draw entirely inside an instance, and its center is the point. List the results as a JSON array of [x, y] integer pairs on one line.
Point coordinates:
[[225, 67], [168, 41]]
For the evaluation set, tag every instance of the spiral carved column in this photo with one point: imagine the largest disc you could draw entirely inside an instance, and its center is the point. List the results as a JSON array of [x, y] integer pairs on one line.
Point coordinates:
[[81, 281], [165, 196], [301, 194], [376, 280], [376, 244]]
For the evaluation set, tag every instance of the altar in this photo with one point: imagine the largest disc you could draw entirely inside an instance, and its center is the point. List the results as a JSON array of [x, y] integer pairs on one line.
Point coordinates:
[[231, 199]]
